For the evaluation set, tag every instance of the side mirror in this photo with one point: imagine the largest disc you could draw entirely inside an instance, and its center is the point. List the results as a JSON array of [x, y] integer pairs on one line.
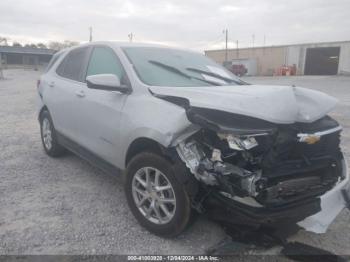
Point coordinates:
[[107, 82]]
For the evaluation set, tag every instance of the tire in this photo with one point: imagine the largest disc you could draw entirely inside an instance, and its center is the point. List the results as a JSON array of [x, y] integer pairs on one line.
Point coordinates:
[[48, 136], [180, 207]]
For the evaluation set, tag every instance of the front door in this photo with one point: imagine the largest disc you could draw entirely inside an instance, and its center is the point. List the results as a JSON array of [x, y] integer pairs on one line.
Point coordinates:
[[101, 110]]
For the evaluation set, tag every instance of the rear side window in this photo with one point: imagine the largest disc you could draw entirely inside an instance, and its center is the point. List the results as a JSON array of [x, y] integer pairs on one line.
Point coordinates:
[[53, 61], [104, 61], [73, 65]]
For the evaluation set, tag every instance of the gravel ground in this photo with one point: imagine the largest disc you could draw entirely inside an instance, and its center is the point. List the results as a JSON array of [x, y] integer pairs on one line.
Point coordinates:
[[66, 206]]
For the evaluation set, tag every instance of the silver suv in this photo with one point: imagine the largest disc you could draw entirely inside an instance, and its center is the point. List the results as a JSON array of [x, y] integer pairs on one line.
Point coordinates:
[[191, 137]]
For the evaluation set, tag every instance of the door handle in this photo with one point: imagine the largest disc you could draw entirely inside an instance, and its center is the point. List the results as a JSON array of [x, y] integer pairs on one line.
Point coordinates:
[[80, 93], [52, 84]]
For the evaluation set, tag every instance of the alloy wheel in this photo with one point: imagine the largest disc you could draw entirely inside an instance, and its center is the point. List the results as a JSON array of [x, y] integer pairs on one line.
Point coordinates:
[[154, 195], [47, 133]]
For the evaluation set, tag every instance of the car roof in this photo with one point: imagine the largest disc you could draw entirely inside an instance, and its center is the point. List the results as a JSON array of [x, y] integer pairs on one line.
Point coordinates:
[[130, 44]]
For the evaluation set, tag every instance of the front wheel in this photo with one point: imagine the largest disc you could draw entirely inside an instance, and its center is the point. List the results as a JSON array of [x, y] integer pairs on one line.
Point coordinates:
[[156, 198]]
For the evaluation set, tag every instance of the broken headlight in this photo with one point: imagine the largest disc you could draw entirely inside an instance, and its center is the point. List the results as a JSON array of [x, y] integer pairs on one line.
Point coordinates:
[[225, 161], [195, 159], [239, 143]]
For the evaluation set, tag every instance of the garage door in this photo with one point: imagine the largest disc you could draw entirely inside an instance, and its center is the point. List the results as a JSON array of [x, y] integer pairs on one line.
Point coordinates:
[[322, 61]]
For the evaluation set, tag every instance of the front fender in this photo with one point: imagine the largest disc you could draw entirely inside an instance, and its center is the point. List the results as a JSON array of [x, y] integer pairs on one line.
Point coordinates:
[[145, 116]]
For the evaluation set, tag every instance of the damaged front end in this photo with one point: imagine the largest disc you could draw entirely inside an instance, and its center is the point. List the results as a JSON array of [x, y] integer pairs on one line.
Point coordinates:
[[256, 172]]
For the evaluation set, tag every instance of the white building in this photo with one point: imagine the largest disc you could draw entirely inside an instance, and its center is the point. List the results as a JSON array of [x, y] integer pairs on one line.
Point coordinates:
[[310, 59]]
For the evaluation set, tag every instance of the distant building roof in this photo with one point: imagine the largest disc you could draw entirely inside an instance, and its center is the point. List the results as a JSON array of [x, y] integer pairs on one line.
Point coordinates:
[[277, 46], [26, 50]]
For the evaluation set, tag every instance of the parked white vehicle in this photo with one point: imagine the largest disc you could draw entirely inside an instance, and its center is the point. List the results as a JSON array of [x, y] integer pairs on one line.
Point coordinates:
[[192, 137]]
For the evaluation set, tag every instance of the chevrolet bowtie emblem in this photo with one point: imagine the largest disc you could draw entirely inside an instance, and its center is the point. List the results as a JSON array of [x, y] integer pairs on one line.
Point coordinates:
[[309, 139]]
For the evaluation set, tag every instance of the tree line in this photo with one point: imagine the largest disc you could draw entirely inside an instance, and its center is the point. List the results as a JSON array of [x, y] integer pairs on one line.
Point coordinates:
[[56, 45]]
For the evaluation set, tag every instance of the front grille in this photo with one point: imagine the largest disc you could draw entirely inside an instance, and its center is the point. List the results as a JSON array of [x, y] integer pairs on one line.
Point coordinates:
[[296, 170], [328, 145], [287, 184]]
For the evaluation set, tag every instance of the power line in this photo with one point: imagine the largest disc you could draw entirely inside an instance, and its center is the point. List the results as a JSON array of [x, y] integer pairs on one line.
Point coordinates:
[[218, 39], [209, 44]]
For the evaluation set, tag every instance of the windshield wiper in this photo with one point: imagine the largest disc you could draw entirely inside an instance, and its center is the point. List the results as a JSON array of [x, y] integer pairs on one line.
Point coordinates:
[[179, 72], [229, 80]]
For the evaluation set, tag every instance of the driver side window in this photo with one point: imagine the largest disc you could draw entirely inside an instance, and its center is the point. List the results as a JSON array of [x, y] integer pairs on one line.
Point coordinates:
[[104, 61]]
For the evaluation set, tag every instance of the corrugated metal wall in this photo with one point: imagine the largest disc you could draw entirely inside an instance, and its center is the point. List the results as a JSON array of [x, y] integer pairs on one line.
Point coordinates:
[[270, 59]]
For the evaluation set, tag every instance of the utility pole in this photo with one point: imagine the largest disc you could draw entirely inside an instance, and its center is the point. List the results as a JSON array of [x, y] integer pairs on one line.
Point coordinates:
[[237, 50], [90, 38], [131, 35], [264, 43], [226, 39], [253, 37], [1, 73]]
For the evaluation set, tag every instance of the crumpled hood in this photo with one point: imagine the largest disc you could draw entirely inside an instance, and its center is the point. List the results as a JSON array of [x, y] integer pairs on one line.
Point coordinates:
[[277, 104]]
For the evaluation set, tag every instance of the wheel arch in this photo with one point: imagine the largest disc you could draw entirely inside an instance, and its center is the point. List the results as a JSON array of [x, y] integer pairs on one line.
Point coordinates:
[[183, 175], [43, 108], [143, 144]]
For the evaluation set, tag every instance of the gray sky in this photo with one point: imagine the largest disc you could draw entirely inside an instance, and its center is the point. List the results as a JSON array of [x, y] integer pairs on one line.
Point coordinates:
[[193, 24]]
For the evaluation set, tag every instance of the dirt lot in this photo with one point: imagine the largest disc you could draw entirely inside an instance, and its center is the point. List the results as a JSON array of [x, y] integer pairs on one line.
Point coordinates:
[[66, 206]]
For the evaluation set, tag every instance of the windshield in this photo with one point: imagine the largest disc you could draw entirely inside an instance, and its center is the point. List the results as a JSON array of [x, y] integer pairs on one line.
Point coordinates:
[[170, 67]]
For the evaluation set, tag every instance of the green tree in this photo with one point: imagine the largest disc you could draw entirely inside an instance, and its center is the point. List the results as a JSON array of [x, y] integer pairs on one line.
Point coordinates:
[[61, 45], [41, 45], [16, 44]]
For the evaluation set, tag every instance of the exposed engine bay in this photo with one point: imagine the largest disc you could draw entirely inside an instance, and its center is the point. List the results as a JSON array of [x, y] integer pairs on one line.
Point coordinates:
[[263, 165]]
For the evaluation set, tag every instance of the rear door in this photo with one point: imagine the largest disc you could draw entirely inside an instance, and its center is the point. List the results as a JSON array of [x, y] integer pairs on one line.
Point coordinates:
[[65, 92]]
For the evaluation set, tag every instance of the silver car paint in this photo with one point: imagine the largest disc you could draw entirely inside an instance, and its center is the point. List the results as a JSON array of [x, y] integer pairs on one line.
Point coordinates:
[[119, 119], [277, 104], [123, 118]]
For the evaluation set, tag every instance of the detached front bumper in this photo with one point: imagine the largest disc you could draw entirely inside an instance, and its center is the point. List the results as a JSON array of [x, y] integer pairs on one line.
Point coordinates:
[[231, 212], [332, 203], [313, 214]]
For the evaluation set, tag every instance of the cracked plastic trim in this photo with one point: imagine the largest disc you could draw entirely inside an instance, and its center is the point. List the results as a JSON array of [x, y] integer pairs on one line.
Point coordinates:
[[332, 203], [303, 136]]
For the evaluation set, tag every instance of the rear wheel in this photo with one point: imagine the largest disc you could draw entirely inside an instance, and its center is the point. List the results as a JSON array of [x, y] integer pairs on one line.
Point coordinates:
[[156, 198], [48, 136]]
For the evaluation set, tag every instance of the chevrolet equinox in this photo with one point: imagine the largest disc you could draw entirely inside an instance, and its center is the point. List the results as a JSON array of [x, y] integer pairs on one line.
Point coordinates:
[[189, 136]]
